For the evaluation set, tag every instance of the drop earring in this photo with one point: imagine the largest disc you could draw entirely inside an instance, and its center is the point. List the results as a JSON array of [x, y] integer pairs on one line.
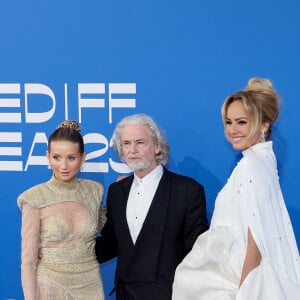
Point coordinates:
[[262, 136]]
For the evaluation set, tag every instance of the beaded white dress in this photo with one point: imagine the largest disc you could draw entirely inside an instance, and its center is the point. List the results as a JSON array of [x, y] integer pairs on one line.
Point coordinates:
[[59, 222], [251, 199]]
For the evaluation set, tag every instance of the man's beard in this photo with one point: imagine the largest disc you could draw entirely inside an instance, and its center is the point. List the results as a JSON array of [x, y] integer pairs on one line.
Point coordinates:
[[138, 166]]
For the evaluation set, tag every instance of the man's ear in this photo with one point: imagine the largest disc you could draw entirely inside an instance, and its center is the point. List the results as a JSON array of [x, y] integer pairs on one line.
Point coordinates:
[[157, 150]]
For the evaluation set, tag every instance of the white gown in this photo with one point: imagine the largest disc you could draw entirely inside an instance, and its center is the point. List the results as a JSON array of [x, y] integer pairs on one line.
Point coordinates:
[[251, 199]]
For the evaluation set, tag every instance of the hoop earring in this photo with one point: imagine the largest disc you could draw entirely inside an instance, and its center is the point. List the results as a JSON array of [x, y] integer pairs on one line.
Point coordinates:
[[262, 136]]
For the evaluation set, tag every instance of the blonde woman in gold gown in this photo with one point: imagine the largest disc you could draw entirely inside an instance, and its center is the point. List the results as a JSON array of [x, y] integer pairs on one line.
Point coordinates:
[[60, 219]]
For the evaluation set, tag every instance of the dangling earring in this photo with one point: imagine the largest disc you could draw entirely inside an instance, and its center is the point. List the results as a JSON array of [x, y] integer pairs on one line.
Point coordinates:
[[262, 136]]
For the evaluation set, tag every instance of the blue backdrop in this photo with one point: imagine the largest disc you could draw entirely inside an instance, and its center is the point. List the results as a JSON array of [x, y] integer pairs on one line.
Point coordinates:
[[97, 61]]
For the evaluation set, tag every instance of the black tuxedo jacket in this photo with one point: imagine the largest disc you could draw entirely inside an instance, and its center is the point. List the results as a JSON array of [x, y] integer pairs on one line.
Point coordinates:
[[177, 215]]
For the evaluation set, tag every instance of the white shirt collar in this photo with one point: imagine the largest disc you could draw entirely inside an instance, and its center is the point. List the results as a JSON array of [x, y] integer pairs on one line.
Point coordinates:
[[153, 176]]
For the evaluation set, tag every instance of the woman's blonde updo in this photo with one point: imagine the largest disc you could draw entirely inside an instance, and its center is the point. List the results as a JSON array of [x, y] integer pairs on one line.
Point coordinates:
[[261, 104], [264, 92], [67, 131]]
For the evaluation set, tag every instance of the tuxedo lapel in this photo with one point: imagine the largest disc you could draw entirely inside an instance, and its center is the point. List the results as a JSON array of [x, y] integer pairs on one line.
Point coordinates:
[[155, 219], [149, 240], [122, 220]]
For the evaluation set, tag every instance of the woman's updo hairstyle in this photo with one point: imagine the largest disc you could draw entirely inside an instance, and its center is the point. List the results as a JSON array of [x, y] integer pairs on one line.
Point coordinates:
[[263, 90], [67, 131], [261, 104]]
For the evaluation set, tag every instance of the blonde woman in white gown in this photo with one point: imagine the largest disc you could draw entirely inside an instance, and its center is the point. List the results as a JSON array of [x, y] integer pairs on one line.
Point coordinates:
[[250, 251], [60, 219]]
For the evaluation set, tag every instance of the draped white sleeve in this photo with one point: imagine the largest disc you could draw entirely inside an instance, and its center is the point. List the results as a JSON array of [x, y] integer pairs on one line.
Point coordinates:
[[264, 211]]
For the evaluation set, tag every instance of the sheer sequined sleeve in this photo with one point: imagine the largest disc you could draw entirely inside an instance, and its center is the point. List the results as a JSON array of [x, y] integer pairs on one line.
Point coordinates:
[[30, 246], [102, 217]]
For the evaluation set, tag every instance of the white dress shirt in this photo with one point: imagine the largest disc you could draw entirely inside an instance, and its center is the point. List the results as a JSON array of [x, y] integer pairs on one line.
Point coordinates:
[[140, 198]]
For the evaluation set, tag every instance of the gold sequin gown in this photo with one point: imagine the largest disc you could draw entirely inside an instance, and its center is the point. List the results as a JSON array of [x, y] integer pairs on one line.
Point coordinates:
[[60, 221]]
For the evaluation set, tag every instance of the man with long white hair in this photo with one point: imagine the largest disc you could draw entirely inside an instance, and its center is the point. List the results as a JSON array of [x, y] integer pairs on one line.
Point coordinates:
[[153, 216]]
